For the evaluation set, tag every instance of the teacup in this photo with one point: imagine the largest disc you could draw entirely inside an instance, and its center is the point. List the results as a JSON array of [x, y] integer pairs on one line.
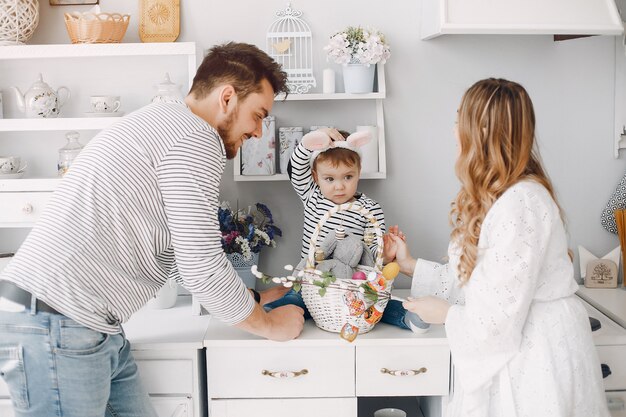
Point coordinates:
[[9, 164], [105, 104]]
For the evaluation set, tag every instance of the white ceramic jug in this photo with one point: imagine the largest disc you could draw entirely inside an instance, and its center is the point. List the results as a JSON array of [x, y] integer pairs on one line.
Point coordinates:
[[40, 100]]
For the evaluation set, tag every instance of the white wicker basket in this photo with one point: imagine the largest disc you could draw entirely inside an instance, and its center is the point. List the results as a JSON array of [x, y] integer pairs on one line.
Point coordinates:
[[18, 20], [330, 311]]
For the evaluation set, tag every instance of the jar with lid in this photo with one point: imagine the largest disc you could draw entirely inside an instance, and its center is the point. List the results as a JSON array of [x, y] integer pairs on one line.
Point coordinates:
[[167, 91], [69, 152]]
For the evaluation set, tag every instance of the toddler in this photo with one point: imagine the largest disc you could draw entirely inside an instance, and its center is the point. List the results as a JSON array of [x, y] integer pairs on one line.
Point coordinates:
[[324, 170]]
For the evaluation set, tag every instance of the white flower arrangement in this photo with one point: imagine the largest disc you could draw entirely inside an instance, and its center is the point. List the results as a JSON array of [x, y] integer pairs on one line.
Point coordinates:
[[356, 45]]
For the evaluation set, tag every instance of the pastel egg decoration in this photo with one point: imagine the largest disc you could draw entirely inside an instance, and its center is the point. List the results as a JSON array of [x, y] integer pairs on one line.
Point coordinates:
[[391, 271], [359, 276]]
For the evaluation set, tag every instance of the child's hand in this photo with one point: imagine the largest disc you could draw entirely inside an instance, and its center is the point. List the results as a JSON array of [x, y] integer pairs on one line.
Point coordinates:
[[332, 133], [390, 247]]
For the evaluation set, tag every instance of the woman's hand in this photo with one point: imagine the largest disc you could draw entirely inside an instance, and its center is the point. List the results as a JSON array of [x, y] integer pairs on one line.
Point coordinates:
[[402, 255], [431, 309], [389, 245]]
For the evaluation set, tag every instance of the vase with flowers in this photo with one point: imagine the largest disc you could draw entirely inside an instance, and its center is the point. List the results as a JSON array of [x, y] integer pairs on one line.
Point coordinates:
[[244, 233], [358, 50]]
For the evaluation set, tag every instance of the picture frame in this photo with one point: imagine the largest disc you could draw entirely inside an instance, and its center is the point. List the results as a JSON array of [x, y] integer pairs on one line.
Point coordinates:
[[72, 2]]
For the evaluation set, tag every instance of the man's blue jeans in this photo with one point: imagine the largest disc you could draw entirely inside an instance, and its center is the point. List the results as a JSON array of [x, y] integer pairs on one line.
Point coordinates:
[[394, 313], [57, 367]]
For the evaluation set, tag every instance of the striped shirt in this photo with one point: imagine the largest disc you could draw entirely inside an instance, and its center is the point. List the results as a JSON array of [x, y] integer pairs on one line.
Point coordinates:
[[138, 206], [316, 205]]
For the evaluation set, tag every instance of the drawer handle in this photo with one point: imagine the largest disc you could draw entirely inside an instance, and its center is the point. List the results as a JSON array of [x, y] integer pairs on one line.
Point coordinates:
[[28, 208], [403, 372], [284, 374], [615, 403]]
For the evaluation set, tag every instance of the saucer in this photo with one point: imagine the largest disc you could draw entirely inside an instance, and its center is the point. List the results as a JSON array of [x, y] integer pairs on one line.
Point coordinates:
[[11, 176], [104, 114]]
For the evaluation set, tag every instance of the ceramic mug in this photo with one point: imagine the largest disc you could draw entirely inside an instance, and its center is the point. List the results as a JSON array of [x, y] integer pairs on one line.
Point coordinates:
[[105, 104], [9, 164]]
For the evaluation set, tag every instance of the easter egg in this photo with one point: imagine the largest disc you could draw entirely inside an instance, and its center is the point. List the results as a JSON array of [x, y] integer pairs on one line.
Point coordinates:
[[391, 270], [359, 275]]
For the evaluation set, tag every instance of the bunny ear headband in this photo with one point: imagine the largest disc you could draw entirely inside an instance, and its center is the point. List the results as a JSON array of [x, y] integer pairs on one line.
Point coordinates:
[[318, 142]]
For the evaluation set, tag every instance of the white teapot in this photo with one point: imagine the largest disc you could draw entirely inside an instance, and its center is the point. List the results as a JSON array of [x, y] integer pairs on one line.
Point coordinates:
[[41, 100], [167, 91]]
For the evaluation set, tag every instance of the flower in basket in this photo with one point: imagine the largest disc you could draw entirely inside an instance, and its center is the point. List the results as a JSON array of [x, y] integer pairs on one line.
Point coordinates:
[[355, 45], [246, 231]]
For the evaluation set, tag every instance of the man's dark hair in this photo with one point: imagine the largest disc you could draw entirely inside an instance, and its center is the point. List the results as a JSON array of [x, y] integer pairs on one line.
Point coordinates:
[[241, 65]]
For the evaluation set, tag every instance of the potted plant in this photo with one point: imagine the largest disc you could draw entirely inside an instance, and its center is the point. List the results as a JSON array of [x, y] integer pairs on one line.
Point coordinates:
[[244, 233], [358, 50]]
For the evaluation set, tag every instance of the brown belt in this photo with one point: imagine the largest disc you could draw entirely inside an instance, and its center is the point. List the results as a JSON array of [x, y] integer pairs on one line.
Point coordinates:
[[12, 292]]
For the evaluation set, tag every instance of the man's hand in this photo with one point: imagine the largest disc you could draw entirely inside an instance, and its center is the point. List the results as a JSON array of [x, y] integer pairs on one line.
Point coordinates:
[[272, 294], [280, 324], [286, 322]]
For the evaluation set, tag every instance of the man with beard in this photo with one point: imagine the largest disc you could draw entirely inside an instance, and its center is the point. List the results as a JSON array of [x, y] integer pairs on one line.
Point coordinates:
[[138, 206]]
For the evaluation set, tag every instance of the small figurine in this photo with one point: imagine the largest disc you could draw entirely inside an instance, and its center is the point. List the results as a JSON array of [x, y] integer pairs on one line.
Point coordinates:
[[349, 332]]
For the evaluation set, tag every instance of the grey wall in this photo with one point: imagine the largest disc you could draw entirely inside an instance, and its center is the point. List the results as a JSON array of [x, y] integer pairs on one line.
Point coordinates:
[[571, 83]]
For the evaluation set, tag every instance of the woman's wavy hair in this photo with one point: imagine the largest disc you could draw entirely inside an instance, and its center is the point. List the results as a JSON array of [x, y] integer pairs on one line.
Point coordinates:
[[496, 131]]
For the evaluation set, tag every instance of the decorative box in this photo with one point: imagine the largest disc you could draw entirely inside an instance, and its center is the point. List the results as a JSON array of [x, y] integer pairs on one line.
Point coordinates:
[[289, 138], [258, 155]]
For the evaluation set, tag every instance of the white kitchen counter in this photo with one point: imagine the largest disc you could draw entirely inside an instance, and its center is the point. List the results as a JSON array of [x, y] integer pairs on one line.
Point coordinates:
[[169, 328], [610, 301], [319, 373]]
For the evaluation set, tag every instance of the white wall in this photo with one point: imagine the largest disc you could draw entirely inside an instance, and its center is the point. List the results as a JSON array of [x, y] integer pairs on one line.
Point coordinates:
[[570, 82]]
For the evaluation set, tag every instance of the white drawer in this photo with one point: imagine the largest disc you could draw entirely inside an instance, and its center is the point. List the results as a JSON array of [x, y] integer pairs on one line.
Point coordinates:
[[22, 208], [172, 406], [302, 407], [615, 358], [238, 372], [382, 371], [6, 408], [171, 376], [4, 389]]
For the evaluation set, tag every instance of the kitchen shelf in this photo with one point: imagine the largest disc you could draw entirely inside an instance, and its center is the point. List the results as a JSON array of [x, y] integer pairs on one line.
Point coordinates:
[[61, 123], [86, 50], [334, 96], [284, 177], [29, 184], [377, 97], [39, 56]]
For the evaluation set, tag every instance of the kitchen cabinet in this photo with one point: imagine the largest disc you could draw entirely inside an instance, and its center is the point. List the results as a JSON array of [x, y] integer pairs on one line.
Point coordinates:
[[168, 348], [517, 17], [93, 69], [321, 374], [326, 103], [6, 408]]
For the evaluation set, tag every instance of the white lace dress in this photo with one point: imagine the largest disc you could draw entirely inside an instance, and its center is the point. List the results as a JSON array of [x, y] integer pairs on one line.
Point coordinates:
[[520, 340]]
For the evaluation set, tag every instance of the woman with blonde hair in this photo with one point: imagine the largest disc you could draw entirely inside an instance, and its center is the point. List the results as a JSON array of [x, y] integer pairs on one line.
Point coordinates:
[[520, 339]]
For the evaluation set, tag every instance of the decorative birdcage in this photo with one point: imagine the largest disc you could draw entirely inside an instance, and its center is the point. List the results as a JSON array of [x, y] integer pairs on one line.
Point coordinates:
[[290, 43]]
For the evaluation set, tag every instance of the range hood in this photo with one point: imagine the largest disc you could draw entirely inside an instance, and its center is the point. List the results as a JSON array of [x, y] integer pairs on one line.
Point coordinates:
[[520, 17]]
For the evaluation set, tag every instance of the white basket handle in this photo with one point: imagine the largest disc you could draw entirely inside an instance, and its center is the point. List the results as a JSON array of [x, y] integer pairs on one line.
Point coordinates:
[[349, 207]]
